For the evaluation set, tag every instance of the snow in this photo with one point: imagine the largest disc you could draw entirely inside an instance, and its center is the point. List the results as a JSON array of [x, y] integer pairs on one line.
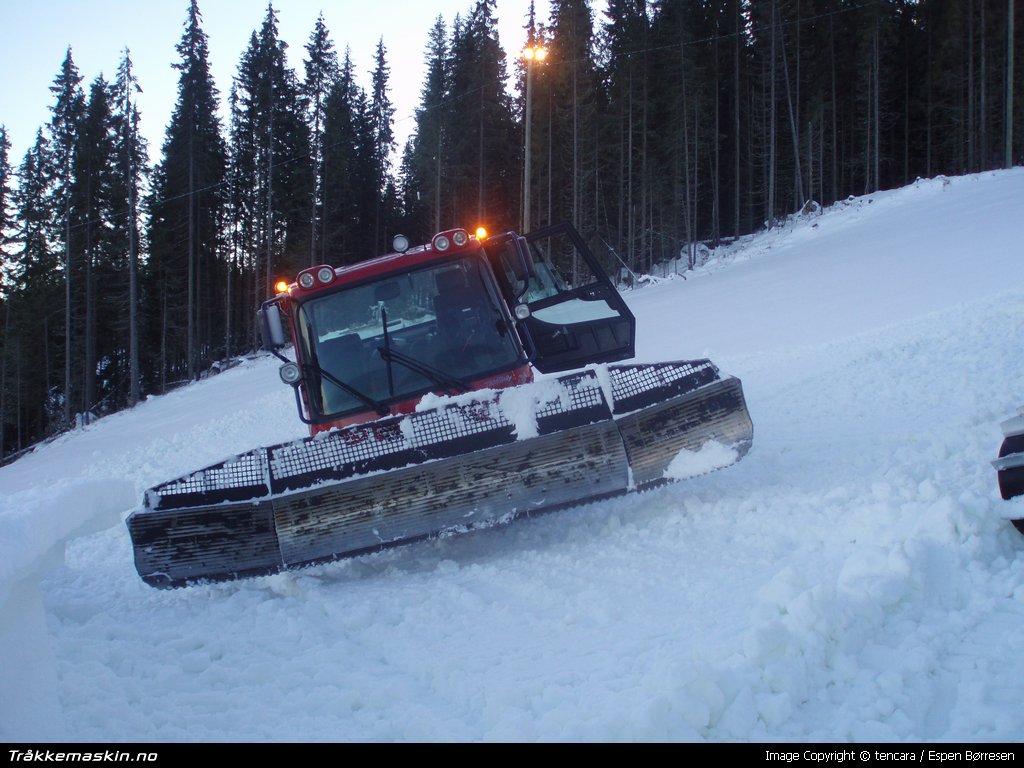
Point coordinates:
[[711, 456], [518, 406], [1013, 426], [853, 578]]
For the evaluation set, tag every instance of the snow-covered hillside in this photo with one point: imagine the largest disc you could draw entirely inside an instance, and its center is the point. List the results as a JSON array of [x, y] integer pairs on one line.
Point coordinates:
[[851, 579]]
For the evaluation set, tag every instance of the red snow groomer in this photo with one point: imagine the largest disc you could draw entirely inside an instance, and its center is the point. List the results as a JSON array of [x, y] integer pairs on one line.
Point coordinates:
[[416, 374]]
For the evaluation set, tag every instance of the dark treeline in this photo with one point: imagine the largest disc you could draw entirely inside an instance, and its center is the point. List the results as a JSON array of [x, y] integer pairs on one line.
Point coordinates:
[[656, 125]]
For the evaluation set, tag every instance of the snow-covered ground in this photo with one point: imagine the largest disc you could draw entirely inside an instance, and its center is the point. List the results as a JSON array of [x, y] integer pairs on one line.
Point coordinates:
[[851, 579]]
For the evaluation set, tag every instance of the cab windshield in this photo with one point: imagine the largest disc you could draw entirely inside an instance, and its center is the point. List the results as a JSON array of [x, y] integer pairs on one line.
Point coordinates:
[[387, 340]]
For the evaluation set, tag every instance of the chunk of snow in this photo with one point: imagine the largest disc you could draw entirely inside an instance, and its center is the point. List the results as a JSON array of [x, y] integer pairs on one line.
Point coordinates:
[[711, 456]]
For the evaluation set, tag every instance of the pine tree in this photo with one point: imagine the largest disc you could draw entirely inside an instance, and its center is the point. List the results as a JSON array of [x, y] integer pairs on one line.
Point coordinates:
[[6, 221], [274, 157], [626, 33], [689, 108], [381, 117], [130, 168], [241, 213], [575, 94], [64, 127], [1008, 132], [349, 198], [34, 264], [5, 307], [250, 165], [423, 160], [34, 302], [91, 235], [185, 217], [483, 144], [322, 71]]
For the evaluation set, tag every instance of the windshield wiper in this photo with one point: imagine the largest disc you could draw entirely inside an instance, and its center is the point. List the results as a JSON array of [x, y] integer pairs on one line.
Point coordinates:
[[388, 354], [365, 399], [378, 406], [438, 377]]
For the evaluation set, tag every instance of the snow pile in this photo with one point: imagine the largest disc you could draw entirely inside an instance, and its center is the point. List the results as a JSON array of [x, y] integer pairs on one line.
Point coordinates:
[[711, 456], [519, 407], [852, 578]]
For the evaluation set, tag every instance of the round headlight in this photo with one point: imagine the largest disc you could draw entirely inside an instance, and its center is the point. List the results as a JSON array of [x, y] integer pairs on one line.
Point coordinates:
[[306, 280], [400, 243], [325, 274], [460, 238], [290, 374], [441, 243]]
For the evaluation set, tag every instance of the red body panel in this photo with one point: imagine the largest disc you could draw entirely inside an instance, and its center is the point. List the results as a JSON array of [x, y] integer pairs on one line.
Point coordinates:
[[392, 263]]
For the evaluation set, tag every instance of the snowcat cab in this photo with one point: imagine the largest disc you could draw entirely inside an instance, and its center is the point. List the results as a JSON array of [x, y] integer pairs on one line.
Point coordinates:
[[461, 314], [415, 374]]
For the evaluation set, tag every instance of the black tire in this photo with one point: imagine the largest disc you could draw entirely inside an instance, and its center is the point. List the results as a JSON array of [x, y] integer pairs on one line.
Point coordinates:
[[1011, 481], [1010, 445]]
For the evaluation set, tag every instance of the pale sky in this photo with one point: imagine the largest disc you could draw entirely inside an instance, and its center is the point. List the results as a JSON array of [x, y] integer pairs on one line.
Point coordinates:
[[35, 34]]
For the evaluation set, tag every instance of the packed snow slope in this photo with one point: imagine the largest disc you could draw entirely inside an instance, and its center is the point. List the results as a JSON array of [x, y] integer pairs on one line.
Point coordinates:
[[853, 578]]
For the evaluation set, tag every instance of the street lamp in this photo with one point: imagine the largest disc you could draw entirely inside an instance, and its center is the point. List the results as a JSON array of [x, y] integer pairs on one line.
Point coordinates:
[[531, 54]]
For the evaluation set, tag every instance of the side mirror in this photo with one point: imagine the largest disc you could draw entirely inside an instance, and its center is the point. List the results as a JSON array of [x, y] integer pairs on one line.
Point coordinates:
[[271, 327]]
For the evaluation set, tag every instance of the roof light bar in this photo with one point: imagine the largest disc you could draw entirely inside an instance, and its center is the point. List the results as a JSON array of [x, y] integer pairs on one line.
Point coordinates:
[[457, 238]]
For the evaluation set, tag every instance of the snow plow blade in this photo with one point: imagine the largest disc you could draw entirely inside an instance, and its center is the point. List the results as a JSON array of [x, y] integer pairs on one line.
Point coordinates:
[[1010, 464], [472, 462]]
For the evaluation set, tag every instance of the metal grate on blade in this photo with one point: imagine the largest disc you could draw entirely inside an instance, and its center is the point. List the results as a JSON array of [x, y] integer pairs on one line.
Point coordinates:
[[335, 450], [347, 451], [455, 421], [581, 390], [637, 386], [449, 430], [242, 477]]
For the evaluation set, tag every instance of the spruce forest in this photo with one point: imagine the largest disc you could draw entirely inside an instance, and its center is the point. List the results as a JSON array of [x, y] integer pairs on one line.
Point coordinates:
[[658, 126]]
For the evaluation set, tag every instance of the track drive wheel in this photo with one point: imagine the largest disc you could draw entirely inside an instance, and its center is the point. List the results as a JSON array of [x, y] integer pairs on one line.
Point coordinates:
[[1011, 481]]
